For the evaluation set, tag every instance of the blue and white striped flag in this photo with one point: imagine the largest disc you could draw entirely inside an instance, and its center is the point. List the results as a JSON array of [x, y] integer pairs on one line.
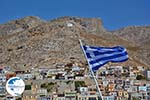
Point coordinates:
[[98, 56]]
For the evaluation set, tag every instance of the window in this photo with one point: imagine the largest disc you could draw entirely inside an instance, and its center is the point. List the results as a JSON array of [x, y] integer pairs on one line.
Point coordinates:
[[92, 98]]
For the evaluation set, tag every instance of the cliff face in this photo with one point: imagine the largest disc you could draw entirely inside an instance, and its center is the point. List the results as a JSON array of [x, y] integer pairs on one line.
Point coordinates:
[[31, 42]]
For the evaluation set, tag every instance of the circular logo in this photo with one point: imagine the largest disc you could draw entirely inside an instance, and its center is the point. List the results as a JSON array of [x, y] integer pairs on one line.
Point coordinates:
[[15, 86]]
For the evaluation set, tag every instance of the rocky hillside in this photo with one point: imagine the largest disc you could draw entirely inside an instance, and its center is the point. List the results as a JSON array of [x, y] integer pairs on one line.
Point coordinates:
[[135, 34], [140, 36], [32, 42]]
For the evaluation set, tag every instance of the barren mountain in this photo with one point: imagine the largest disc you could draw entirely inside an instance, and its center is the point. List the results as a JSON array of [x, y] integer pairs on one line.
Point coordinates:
[[136, 34], [32, 42], [140, 36]]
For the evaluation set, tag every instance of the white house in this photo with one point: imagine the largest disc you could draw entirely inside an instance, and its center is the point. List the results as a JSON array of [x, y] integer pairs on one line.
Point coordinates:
[[55, 71], [2, 78], [87, 97], [9, 97], [28, 76], [109, 97], [42, 92], [25, 76], [148, 74], [140, 68], [69, 24], [79, 77], [75, 69], [142, 89], [105, 83], [83, 90], [2, 90]]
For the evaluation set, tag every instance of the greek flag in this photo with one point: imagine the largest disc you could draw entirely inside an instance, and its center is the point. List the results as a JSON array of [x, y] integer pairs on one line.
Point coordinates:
[[99, 56]]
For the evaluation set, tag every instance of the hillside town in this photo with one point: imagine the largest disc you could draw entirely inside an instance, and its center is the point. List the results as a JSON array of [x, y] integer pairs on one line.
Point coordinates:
[[75, 50], [73, 81]]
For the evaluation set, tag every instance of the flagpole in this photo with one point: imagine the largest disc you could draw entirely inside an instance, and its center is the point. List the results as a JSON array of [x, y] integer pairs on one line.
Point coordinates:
[[100, 94]]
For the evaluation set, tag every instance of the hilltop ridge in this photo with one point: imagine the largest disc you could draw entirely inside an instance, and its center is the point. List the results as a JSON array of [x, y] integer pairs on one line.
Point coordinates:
[[31, 41]]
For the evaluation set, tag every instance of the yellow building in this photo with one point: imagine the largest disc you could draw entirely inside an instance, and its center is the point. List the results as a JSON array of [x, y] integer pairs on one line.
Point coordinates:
[[123, 95], [120, 93], [111, 87], [27, 95], [126, 95], [34, 93], [34, 88]]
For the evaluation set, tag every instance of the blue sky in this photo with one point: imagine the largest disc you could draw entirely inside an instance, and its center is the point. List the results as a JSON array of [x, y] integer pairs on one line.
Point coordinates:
[[114, 13]]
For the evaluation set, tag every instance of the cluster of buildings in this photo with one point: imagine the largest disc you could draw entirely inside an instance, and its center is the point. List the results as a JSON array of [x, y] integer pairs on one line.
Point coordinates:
[[74, 82], [124, 83]]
